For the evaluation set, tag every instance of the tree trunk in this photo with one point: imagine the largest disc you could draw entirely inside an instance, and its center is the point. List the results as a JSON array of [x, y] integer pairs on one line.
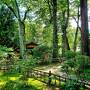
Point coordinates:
[[55, 36], [84, 28], [76, 33], [65, 43], [21, 40], [21, 33], [75, 40], [64, 25]]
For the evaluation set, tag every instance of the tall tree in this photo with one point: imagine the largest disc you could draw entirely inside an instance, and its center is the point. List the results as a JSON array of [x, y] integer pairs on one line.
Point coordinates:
[[14, 7], [84, 28], [55, 30], [64, 25], [77, 29]]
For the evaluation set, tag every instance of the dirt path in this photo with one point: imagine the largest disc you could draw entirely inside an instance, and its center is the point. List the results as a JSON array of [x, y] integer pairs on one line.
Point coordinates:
[[55, 69]]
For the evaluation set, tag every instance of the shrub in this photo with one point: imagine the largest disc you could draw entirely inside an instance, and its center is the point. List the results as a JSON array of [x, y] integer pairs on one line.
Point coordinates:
[[6, 57], [23, 66], [42, 54], [68, 66], [72, 84], [65, 67], [77, 66], [69, 54], [40, 50], [4, 52], [82, 61], [14, 85]]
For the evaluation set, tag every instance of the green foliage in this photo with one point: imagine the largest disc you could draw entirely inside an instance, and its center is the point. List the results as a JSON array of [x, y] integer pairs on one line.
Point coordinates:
[[82, 64], [47, 35], [14, 85], [13, 82], [71, 85], [40, 51], [69, 54], [7, 58], [69, 66], [7, 31], [36, 84], [82, 61], [79, 62], [77, 66], [22, 66], [62, 5], [4, 51], [42, 54]]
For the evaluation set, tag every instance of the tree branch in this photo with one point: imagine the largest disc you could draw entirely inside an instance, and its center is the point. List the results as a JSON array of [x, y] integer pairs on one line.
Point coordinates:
[[67, 19], [25, 14], [50, 9], [77, 23], [11, 9]]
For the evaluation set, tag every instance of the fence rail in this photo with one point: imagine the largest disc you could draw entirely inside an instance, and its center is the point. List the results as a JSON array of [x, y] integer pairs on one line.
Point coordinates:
[[55, 80]]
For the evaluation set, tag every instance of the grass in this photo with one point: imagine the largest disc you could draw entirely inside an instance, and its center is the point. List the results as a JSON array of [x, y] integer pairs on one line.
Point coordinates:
[[37, 84], [14, 79], [10, 81]]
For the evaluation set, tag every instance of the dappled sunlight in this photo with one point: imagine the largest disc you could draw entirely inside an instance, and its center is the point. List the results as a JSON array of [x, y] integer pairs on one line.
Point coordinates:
[[44, 45], [2, 83], [13, 78], [37, 84]]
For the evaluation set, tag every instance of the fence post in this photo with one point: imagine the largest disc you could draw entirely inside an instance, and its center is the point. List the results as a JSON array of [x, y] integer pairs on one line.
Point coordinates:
[[49, 78], [59, 83]]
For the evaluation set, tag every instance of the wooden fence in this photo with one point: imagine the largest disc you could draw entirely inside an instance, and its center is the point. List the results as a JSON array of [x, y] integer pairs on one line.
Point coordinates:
[[55, 80]]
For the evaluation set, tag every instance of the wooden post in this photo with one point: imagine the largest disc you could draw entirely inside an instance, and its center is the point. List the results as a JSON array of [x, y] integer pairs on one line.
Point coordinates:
[[49, 78], [59, 83], [55, 80], [37, 74], [44, 76]]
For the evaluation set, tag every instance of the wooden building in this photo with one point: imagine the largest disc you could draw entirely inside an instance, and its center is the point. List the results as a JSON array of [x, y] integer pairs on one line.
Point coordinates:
[[31, 45]]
